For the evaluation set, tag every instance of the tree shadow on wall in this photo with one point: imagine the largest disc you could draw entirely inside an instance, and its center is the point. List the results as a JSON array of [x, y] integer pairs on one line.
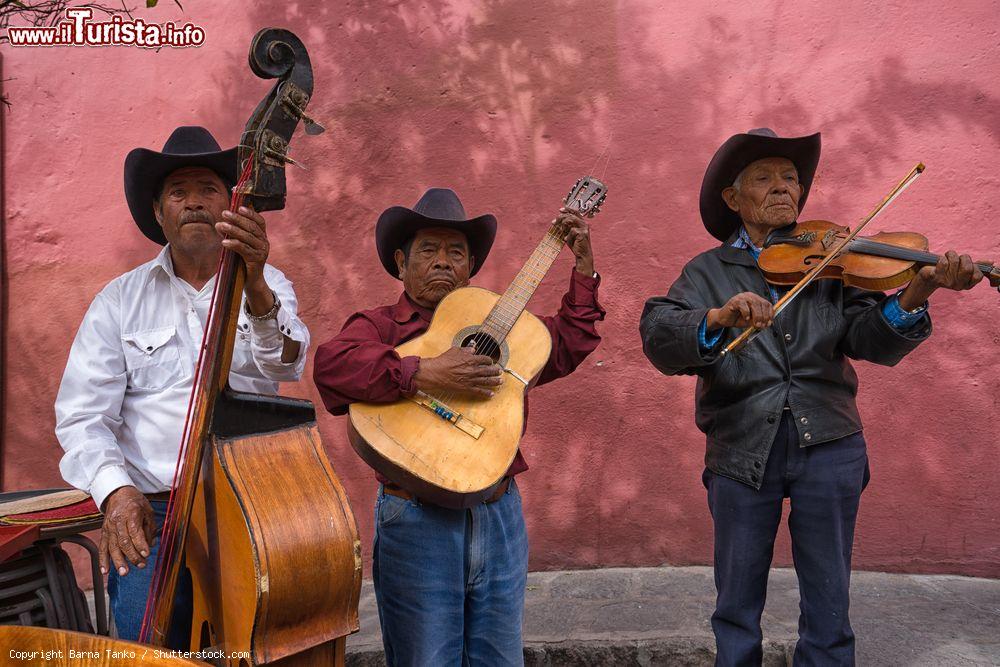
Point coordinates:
[[508, 101]]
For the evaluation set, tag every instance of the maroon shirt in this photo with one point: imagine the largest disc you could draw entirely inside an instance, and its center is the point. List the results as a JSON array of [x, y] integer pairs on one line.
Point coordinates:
[[360, 364]]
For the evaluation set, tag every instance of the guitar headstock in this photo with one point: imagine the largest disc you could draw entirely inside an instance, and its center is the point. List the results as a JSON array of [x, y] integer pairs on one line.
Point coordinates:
[[586, 196]]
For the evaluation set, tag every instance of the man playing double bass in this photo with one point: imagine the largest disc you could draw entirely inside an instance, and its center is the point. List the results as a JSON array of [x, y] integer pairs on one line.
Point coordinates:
[[449, 583], [780, 415], [121, 407]]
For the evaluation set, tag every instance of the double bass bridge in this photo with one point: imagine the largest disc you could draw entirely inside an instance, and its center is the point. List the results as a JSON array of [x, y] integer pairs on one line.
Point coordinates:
[[447, 413]]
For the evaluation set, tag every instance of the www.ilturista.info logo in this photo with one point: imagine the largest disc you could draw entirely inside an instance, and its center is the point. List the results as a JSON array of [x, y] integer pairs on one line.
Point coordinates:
[[78, 30]]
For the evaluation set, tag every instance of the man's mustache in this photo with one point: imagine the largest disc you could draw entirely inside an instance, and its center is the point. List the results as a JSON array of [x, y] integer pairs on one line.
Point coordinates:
[[196, 216]]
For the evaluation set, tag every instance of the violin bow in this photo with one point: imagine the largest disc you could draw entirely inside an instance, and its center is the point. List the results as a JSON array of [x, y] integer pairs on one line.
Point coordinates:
[[750, 333]]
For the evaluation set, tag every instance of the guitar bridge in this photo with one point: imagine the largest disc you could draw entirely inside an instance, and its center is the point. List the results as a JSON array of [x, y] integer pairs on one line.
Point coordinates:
[[448, 414]]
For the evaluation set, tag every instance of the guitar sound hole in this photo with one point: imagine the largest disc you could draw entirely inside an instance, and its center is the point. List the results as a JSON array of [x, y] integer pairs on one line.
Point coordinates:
[[484, 344]]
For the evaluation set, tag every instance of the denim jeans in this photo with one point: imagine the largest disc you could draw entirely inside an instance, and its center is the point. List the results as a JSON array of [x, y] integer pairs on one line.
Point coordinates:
[[824, 483], [128, 594], [450, 583]]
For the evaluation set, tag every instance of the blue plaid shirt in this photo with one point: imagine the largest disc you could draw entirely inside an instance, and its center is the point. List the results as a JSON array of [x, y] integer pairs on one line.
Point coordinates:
[[899, 319]]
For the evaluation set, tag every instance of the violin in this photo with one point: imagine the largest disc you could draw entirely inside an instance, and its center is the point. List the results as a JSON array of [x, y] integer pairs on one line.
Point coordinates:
[[881, 262], [819, 249]]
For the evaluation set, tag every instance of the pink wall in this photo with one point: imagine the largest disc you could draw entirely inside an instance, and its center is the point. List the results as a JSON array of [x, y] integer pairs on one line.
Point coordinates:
[[509, 102]]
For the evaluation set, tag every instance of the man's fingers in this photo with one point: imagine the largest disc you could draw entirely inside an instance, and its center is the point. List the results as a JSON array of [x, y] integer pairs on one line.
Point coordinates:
[[248, 253], [149, 527], [487, 372], [968, 272], [482, 360], [746, 314], [759, 314], [253, 226], [234, 232], [102, 553], [123, 532], [138, 538], [253, 215], [116, 556]]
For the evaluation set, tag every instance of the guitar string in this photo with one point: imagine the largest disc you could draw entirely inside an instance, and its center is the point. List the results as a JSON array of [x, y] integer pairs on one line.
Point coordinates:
[[504, 312], [501, 316]]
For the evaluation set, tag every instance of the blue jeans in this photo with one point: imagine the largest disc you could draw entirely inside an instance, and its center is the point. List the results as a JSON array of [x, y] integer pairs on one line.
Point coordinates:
[[128, 594], [450, 583], [824, 483]]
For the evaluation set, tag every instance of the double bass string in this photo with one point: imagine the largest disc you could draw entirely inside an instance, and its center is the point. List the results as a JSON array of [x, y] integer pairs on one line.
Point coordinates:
[[169, 542]]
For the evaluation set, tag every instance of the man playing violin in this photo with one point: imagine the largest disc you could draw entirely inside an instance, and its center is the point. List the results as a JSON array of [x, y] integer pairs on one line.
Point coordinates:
[[780, 415], [449, 583], [121, 406]]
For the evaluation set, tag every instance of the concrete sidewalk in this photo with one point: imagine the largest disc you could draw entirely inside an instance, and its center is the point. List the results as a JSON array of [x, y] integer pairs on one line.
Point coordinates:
[[660, 616]]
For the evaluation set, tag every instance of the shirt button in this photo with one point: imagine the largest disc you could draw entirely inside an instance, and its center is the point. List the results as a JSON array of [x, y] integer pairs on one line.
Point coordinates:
[[807, 436], [770, 420], [753, 478], [756, 464], [788, 337], [804, 420]]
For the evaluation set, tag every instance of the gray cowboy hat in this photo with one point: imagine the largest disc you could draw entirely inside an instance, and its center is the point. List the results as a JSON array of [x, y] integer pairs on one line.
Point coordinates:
[[145, 169], [438, 207], [733, 157]]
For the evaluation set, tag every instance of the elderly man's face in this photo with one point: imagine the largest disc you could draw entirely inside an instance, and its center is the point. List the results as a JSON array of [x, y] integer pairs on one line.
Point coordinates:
[[191, 202], [768, 193], [438, 263]]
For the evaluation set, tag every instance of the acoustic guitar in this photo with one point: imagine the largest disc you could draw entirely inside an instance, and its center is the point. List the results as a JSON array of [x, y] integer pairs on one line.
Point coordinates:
[[453, 450]]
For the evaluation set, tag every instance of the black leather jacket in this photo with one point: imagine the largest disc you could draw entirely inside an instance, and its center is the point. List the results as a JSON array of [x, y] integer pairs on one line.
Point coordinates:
[[802, 361]]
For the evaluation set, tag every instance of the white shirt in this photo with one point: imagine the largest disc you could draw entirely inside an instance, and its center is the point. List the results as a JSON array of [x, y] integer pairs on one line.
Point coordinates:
[[124, 396]]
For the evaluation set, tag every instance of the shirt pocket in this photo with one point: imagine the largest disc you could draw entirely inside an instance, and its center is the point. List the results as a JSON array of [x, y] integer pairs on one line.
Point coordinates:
[[152, 358]]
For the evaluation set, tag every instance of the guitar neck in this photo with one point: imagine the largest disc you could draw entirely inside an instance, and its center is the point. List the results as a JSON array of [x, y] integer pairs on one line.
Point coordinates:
[[510, 306]]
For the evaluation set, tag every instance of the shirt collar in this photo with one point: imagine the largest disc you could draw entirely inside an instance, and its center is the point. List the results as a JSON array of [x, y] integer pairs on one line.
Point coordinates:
[[163, 262], [743, 241], [406, 308]]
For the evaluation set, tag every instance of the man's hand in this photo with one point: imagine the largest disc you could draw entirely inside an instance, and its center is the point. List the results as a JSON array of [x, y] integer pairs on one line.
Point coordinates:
[[951, 272], [128, 530], [458, 370], [578, 240], [245, 233], [743, 310]]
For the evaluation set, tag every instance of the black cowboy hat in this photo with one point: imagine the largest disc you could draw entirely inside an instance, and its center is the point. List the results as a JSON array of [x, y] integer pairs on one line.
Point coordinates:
[[439, 207], [733, 157], [145, 169]]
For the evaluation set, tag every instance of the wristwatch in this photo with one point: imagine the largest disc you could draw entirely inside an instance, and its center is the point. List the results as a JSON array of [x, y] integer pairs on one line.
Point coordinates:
[[269, 315]]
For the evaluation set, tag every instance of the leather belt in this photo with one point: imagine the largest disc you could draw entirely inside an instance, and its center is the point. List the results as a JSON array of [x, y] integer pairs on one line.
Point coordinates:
[[162, 496], [400, 492]]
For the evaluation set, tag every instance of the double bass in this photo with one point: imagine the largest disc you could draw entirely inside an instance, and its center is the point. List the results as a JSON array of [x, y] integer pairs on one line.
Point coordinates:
[[257, 513]]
